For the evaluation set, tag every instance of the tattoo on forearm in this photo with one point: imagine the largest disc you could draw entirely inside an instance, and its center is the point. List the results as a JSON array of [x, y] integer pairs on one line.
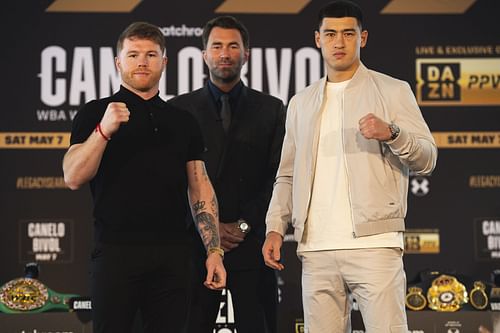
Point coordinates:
[[214, 206], [207, 229], [195, 170], [198, 205]]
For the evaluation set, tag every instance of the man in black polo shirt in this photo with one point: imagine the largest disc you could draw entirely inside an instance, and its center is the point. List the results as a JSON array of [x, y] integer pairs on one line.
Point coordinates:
[[142, 158]]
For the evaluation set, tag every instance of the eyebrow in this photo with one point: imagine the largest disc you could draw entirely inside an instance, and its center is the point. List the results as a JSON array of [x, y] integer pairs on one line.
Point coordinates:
[[217, 42], [138, 51], [345, 30]]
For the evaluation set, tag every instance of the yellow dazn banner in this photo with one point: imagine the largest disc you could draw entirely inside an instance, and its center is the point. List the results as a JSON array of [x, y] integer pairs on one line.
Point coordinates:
[[458, 81]]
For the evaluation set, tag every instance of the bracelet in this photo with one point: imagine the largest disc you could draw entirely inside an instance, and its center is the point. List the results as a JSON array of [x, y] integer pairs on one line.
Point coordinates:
[[98, 129], [217, 250]]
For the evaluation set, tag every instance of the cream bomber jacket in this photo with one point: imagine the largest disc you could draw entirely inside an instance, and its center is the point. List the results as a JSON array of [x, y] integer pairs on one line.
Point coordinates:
[[377, 172]]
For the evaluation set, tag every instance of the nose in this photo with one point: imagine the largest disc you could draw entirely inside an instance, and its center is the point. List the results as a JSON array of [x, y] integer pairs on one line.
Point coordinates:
[[143, 61], [224, 53], [339, 41]]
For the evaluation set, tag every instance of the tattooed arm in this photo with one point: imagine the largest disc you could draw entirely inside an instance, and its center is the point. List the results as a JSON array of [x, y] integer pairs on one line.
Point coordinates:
[[206, 218]]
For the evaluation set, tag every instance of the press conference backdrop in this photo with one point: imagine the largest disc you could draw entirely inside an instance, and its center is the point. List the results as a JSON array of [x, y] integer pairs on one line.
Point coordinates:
[[58, 54]]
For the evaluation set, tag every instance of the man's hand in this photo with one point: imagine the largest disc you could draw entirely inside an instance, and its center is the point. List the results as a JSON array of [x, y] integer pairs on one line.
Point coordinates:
[[116, 113], [372, 127], [230, 236], [216, 273], [271, 250]]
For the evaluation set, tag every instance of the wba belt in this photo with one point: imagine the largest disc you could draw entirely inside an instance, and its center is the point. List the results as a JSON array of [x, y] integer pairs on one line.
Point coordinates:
[[447, 293]]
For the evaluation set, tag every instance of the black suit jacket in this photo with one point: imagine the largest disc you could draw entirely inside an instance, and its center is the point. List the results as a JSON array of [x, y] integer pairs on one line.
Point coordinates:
[[241, 165]]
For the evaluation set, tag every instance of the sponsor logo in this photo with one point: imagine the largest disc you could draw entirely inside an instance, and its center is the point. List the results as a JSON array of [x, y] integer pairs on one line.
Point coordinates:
[[458, 81], [419, 186], [225, 318], [484, 181], [422, 241], [467, 139], [487, 235], [46, 240], [182, 31], [299, 326], [454, 326]]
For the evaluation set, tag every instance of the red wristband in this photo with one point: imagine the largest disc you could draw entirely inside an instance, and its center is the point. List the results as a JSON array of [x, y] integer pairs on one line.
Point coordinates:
[[98, 129]]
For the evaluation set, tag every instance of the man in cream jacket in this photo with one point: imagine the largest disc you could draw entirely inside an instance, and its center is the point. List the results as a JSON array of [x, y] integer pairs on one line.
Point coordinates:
[[351, 140]]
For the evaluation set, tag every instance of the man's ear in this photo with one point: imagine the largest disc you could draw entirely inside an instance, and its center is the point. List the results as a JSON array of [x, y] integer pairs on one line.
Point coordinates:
[[204, 54], [317, 39], [117, 63], [364, 38]]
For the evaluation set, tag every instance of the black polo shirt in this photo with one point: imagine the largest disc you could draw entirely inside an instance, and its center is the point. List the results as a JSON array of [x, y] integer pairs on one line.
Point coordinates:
[[140, 189]]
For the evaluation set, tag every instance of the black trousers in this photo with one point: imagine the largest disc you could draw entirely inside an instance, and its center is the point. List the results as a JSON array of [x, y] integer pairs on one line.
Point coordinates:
[[151, 279], [254, 296]]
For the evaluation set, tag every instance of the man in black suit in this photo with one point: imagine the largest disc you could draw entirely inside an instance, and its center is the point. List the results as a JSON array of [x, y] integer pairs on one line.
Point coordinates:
[[243, 131]]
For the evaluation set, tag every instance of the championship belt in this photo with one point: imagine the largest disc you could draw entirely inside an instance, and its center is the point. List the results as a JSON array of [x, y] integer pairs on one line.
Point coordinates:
[[478, 297], [446, 294], [415, 300], [28, 295]]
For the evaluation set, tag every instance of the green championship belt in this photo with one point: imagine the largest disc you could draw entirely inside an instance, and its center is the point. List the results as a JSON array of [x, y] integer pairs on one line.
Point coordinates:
[[28, 295]]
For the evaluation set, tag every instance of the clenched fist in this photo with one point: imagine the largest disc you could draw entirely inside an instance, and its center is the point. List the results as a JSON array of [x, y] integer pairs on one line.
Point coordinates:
[[116, 113], [372, 127]]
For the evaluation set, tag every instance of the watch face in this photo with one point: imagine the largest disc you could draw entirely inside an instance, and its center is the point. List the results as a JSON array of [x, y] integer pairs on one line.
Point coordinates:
[[243, 226], [394, 131]]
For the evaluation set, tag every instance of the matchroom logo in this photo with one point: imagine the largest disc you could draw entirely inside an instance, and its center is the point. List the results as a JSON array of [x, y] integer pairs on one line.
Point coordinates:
[[458, 81]]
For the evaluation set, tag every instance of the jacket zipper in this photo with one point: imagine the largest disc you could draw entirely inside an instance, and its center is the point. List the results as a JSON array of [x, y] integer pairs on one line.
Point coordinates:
[[345, 162]]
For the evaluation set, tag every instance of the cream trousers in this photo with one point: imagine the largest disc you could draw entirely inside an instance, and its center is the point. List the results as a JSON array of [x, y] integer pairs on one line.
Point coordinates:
[[374, 276]]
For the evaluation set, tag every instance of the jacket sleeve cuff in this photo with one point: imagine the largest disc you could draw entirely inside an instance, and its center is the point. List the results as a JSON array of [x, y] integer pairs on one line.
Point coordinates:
[[397, 145], [277, 227]]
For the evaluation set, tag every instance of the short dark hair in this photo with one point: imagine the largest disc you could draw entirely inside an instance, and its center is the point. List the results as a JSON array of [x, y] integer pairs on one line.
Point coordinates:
[[141, 30], [226, 22], [341, 8]]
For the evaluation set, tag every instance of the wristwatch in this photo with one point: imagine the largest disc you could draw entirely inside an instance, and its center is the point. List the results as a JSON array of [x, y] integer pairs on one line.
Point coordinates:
[[394, 131], [243, 226]]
